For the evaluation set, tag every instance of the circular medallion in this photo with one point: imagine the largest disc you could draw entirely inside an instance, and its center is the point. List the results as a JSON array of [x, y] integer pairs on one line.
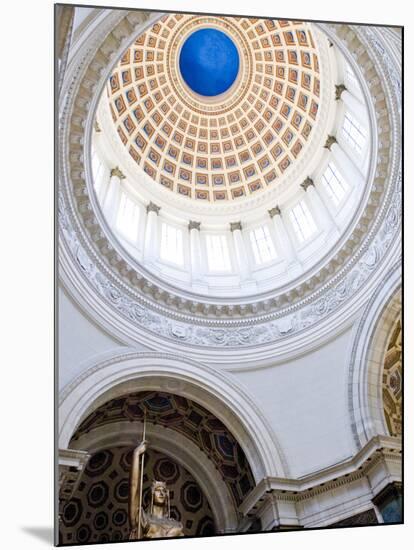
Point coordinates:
[[209, 62]]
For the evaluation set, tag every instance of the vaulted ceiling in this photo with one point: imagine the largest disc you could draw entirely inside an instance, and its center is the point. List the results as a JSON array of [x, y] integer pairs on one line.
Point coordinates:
[[226, 146]]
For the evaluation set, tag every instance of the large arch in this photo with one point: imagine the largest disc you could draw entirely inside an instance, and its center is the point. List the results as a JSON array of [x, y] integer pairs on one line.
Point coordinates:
[[216, 391], [367, 359]]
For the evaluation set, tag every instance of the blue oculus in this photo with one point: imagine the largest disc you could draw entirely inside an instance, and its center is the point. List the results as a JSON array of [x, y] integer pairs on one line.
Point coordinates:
[[209, 62]]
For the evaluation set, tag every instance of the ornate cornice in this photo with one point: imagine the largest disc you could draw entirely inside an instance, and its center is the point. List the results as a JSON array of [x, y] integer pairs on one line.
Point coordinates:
[[186, 317], [380, 450]]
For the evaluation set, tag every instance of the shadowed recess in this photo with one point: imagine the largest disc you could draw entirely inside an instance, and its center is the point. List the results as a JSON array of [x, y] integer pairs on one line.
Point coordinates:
[[184, 416]]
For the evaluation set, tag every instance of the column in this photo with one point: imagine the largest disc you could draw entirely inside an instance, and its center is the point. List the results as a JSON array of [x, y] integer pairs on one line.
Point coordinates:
[[355, 105], [319, 209], [151, 233], [195, 250], [347, 168], [241, 252], [284, 240], [113, 196]]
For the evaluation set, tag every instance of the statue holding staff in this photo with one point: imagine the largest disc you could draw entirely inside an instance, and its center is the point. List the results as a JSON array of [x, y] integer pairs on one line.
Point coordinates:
[[156, 522]]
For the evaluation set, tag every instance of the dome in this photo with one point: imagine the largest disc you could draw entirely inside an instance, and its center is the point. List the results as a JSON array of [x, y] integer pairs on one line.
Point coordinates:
[[225, 125], [218, 109]]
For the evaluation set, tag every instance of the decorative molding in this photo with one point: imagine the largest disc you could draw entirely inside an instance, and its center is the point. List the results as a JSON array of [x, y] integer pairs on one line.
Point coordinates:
[[339, 88], [194, 225], [307, 183], [329, 142], [235, 226], [65, 16], [275, 211], [151, 207], [117, 173], [380, 454]]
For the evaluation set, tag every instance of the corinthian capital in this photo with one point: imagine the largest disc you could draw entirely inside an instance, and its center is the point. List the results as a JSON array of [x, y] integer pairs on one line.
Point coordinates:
[[307, 183], [275, 211], [194, 225], [117, 172], [339, 88], [329, 142], [152, 207], [235, 225]]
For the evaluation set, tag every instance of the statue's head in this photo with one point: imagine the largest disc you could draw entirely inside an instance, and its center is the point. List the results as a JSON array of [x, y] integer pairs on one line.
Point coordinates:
[[160, 492], [160, 497]]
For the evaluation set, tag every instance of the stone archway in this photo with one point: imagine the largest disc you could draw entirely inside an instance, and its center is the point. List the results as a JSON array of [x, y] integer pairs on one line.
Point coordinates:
[[373, 334], [211, 388]]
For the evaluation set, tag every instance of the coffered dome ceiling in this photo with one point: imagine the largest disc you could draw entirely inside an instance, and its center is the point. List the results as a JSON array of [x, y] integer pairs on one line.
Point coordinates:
[[217, 109]]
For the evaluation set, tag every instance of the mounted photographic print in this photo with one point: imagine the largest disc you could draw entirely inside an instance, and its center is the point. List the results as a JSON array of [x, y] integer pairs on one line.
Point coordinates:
[[229, 205]]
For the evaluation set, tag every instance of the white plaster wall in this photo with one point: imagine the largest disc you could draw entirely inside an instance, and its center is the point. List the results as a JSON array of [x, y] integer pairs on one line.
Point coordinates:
[[305, 400], [80, 340]]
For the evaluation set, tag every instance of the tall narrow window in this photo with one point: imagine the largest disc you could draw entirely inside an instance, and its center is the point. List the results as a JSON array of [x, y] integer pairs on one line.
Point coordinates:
[[354, 133], [262, 245], [350, 78], [302, 221], [218, 253], [335, 186], [172, 249], [127, 218]]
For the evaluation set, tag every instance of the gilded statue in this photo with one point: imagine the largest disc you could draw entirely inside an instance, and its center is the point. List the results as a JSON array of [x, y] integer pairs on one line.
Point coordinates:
[[154, 522]]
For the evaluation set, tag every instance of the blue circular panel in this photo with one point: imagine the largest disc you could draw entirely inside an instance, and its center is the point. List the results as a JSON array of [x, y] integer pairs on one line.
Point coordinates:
[[209, 62]]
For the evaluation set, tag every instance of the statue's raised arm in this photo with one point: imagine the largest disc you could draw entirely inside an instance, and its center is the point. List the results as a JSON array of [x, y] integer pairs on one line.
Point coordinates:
[[134, 485], [155, 522]]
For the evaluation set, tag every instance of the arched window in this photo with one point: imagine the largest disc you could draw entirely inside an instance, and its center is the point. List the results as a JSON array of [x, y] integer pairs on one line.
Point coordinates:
[[302, 222], [335, 186], [350, 78], [354, 133]]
